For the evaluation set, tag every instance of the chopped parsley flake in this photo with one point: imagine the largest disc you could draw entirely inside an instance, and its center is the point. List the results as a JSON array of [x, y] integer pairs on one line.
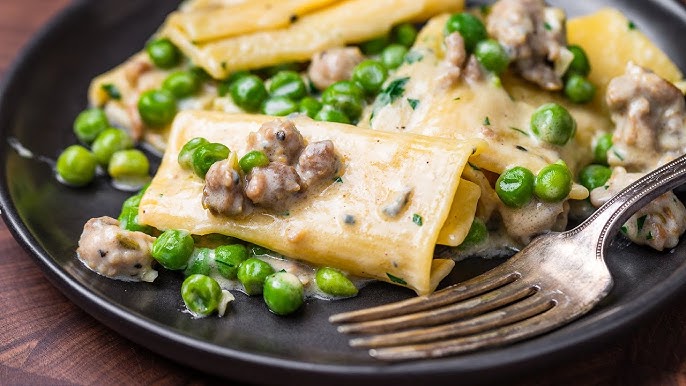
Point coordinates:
[[650, 236], [413, 57], [112, 91], [623, 229], [519, 130], [456, 98], [390, 94], [487, 122], [522, 148], [396, 279], [338, 179], [417, 219], [631, 25], [640, 221], [473, 166], [413, 103], [224, 65], [547, 26]]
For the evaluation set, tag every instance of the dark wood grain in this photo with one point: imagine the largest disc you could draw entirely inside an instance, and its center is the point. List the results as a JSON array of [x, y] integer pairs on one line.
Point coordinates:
[[45, 339]]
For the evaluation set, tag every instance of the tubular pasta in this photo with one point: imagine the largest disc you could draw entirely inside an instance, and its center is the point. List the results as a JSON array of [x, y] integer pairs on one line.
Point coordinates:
[[375, 164], [351, 21], [257, 15]]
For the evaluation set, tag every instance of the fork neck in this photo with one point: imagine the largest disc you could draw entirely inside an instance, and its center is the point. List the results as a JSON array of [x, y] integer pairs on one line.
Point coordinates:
[[608, 219]]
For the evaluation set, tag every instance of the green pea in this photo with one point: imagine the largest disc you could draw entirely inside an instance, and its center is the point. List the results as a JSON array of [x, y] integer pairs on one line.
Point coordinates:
[[580, 64], [157, 107], [253, 159], [375, 46], [224, 87], [345, 87], [229, 258], [579, 89], [283, 293], [371, 75], [602, 146], [200, 74], [553, 124], [404, 34], [345, 96], [334, 282], [393, 56], [310, 106], [288, 84], [199, 262], [252, 274], [173, 248], [248, 92], [201, 294], [163, 53], [89, 124], [128, 218], [331, 114], [109, 142], [478, 233], [185, 157], [553, 182], [469, 26], [128, 163], [515, 186], [279, 106], [182, 84], [492, 56], [206, 155], [594, 176], [76, 165]]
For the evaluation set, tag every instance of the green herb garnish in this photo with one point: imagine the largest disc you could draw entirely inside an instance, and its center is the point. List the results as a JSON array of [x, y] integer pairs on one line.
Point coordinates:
[[519, 130], [112, 91], [640, 222], [396, 279], [413, 103]]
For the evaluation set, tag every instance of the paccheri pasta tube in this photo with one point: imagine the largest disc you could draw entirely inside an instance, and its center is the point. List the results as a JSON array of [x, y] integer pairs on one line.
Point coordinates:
[[342, 23], [344, 225]]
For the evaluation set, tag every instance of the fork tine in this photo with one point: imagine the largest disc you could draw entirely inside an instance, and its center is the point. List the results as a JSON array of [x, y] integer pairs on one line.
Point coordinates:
[[445, 296], [526, 308], [526, 328], [470, 307]]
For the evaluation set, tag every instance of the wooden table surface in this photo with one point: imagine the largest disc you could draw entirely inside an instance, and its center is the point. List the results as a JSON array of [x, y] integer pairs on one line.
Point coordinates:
[[46, 339]]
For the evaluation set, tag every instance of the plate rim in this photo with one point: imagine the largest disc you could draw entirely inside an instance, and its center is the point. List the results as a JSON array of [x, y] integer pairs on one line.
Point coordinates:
[[159, 339]]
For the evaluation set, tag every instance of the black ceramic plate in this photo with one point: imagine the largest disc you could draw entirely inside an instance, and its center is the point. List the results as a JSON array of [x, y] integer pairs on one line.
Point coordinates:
[[45, 91]]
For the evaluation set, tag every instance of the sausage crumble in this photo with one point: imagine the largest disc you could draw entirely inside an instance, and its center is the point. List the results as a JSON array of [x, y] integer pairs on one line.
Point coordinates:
[[293, 168]]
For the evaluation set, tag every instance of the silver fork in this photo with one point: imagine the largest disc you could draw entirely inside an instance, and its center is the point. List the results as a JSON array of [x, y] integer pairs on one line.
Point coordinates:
[[555, 279]]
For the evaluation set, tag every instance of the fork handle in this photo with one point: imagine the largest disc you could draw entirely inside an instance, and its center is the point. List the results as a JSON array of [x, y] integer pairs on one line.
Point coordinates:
[[615, 212]]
